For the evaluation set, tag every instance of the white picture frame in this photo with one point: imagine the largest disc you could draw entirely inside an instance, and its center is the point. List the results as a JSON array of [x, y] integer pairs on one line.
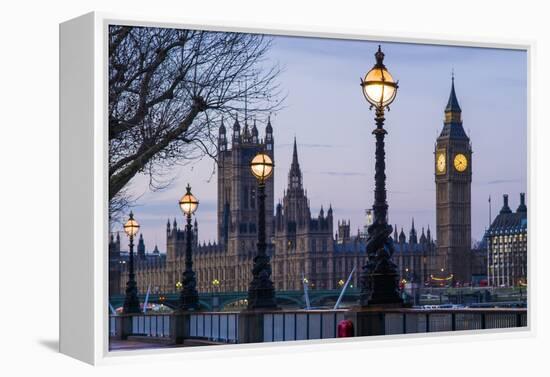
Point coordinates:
[[83, 187]]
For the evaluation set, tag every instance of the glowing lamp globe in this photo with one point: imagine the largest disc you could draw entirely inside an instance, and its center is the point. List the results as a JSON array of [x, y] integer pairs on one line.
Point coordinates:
[[379, 87], [262, 166], [131, 227], [188, 203]]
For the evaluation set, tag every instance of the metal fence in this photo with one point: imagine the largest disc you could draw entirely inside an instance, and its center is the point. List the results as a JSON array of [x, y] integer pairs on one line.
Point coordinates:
[[223, 327], [412, 321], [150, 325], [301, 325], [218, 327], [153, 325]]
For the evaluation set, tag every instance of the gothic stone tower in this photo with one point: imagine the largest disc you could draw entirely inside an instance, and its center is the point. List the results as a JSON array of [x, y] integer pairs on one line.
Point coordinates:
[[237, 199], [453, 177]]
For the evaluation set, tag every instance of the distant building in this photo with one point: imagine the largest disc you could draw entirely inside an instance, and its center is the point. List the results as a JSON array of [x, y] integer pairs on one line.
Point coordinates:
[[479, 262], [301, 245], [413, 256], [507, 246]]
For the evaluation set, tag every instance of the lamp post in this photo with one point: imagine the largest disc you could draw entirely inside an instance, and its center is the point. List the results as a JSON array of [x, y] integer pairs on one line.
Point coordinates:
[[380, 279], [261, 294], [131, 301], [189, 297]]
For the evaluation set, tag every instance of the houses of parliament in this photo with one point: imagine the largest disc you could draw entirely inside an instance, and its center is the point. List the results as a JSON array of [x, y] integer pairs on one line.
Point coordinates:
[[306, 245]]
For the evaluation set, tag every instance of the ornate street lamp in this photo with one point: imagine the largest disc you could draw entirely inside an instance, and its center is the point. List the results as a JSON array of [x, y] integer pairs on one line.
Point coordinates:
[[380, 279], [189, 297], [261, 294], [131, 301]]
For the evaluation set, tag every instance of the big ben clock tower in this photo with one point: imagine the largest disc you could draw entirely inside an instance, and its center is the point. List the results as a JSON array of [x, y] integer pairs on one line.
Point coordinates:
[[453, 178]]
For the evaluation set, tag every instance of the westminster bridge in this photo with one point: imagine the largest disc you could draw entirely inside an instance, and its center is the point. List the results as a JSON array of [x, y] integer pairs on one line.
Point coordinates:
[[223, 300], [219, 301]]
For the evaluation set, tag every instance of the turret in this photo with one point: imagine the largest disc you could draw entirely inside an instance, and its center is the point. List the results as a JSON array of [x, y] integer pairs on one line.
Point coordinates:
[[246, 133], [269, 135], [402, 237], [329, 216], [412, 234], [423, 238], [236, 131], [222, 138], [254, 133], [141, 247], [429, 234]]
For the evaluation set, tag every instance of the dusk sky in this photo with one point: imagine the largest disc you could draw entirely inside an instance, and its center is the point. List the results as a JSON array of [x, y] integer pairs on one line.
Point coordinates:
[[330, 118]]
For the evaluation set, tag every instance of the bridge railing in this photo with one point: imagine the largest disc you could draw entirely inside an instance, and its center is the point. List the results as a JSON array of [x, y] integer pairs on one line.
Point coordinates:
[[301, 325], [286, 325], [148, 325], [216, 326], [436, 320]]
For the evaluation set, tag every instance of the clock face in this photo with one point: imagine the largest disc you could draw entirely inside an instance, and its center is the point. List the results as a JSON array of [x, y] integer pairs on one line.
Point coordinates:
[[460, 162], [440, 163]]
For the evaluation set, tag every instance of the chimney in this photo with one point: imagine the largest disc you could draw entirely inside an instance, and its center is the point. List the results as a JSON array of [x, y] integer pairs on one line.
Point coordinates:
[[522, 208], [505, 208]]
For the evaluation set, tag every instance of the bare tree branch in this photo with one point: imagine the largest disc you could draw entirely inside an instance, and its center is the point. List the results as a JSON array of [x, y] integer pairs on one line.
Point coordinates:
[[168, 90]]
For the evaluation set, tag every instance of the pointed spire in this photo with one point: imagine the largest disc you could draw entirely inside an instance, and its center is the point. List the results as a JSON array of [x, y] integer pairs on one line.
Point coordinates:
[[428, 233], [412, 234], [402, 237], [295, 153], [452, 104], [269, 128], [295, 174], [175, 225], [395, 232], [222, 127], [423, 236]]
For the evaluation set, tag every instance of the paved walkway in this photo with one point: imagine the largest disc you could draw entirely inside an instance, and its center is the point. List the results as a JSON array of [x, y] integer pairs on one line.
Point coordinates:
[[123, 345]]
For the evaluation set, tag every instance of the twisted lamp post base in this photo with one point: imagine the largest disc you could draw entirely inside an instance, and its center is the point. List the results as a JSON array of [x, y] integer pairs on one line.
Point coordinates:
[[380, 279], [261, 293], [189, 297]]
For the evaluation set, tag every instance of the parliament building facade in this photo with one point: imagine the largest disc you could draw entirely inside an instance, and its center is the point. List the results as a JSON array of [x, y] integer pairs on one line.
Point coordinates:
[[304, 245]]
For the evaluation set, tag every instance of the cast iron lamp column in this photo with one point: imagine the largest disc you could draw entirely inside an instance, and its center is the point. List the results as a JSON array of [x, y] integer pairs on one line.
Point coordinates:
[[380, 279], [261, 294], [131, 301], [189, 297]]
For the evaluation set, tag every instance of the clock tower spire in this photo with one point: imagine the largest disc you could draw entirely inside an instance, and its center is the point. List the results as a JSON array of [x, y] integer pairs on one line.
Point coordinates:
[[453, 177]]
